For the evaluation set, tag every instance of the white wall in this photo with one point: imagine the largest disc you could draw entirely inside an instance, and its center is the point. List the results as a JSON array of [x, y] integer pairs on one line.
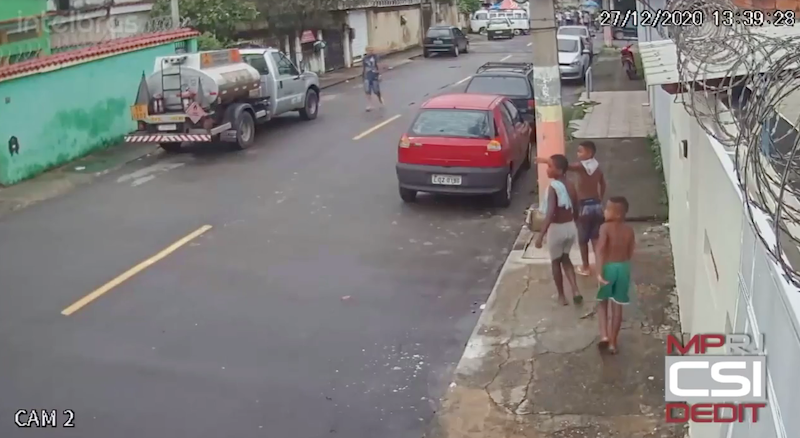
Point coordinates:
[[93, 28], [357, 20], [393, 29], [725, 281]]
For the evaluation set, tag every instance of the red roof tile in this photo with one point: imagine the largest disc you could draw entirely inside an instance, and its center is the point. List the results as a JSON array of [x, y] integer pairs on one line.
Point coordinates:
[[100, 50]]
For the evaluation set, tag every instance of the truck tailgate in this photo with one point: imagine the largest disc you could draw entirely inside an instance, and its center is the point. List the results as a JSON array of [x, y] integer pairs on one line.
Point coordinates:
[[146, 137]]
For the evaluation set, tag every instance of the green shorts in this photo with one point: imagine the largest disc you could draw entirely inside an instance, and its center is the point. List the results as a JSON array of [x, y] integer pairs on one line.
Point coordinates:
[[618, 276]]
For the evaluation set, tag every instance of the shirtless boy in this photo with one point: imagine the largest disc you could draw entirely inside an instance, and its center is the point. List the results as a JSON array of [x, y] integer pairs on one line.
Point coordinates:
[[591, 190], [614, 250], [559, 226]]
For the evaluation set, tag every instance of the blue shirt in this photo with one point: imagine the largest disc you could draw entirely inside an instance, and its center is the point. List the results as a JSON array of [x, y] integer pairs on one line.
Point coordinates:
[[370, 64]]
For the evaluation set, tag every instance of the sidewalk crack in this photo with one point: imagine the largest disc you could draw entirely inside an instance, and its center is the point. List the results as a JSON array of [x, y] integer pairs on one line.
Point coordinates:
[[506, 348]]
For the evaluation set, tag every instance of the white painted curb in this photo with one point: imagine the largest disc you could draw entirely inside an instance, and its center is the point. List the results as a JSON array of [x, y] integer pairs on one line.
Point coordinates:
[[479, 345]]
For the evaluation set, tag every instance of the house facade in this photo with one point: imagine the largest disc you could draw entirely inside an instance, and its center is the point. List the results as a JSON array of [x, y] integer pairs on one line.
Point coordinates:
[[385, 25]]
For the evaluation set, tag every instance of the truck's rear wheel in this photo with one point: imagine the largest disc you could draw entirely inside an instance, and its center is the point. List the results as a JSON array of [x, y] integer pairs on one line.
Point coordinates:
[[309, 111], [172, 148], [245, 130]]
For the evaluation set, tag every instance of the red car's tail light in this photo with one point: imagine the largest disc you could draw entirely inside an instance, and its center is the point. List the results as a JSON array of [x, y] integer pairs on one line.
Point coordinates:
[[404, 142], [494, 146]]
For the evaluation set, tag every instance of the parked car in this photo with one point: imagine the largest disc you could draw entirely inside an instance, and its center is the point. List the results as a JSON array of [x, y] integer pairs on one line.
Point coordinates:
[[499, 27], [510, 79], [581, 31], [519, 20], [445, 39], [573, 57], [464, 144], [625, 33]]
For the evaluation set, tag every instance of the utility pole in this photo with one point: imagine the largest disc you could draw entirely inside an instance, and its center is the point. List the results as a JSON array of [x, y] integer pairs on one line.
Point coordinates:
[[546, 87], [176, 14]]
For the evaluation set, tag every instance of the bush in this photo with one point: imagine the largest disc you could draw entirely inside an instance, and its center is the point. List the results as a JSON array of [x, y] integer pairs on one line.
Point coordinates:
[[658, 163], [207, 41]]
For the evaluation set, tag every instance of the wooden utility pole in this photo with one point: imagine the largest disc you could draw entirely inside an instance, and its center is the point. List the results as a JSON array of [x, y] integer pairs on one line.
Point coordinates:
[[546, 87]]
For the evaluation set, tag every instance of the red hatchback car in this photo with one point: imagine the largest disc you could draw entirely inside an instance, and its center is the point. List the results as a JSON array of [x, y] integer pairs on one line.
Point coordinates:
[[464, 144]]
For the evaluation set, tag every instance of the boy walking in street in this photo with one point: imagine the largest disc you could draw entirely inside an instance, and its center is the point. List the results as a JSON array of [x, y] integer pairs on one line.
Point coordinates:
[[559, 226], [372, 77], [591, 190], [614, 251]]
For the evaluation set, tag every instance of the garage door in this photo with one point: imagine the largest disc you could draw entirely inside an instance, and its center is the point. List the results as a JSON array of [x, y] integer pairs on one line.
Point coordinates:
[[357, 20]]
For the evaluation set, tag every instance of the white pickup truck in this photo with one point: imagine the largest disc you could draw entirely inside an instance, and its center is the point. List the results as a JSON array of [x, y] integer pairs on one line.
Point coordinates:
[[219, 96]]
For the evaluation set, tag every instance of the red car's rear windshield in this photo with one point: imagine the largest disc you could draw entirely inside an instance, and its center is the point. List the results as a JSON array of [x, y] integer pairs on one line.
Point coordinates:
[[453, 123]]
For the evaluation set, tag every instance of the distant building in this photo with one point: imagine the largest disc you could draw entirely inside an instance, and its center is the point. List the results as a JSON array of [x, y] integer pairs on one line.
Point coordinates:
[[23, 32], [80, 23]]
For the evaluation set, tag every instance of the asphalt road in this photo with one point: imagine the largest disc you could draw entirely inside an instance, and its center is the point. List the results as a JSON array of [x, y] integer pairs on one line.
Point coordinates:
[[316, 305]]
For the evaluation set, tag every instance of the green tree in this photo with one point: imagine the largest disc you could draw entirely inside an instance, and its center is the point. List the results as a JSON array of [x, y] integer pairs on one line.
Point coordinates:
[[216, 17], [286, 17], [469, 6]]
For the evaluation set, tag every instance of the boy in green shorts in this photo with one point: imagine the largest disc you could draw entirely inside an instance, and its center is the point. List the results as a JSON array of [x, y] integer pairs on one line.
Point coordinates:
[[614, 251]]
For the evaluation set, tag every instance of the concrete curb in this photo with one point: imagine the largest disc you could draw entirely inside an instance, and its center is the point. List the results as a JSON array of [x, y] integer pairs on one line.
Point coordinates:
[[62, 185], [353, 76], [473, 347]]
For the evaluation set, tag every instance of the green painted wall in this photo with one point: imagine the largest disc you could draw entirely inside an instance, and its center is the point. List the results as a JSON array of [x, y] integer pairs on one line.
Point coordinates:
[[21, 8], [61, 115]]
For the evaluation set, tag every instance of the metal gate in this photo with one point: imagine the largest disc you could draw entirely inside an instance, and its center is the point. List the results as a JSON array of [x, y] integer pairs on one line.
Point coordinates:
[[334, 49]]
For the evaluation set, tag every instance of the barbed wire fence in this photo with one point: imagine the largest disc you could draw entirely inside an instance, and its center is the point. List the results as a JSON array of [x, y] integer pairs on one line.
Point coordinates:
[[735, 81], [72, 32]]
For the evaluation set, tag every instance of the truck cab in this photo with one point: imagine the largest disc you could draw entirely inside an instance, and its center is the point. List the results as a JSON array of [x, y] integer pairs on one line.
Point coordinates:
[[289, 88]]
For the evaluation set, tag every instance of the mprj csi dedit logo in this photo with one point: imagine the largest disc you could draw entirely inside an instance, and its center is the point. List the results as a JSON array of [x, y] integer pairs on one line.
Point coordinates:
[[719, 388]]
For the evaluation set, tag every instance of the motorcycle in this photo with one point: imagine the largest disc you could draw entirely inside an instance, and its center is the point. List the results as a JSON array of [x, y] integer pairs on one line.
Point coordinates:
[[628, 62]]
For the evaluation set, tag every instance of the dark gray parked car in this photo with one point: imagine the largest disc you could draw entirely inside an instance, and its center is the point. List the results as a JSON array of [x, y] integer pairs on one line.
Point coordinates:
[[445, 39]]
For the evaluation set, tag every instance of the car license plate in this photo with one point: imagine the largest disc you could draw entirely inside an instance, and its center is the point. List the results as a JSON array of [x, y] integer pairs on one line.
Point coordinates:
[[446, 180], [167, 127], [139, 112], [437, 42]]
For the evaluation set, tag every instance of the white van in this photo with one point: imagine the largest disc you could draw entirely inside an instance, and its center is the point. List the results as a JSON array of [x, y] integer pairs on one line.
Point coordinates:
[[519, 20]]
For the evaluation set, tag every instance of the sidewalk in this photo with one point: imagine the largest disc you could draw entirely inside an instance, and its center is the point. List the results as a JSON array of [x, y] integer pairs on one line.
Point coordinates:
[[390, 61], [619, 122], [532, 369]]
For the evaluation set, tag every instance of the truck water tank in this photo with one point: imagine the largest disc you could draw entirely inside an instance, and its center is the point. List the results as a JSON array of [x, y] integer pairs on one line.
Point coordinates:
[[220, 77]]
